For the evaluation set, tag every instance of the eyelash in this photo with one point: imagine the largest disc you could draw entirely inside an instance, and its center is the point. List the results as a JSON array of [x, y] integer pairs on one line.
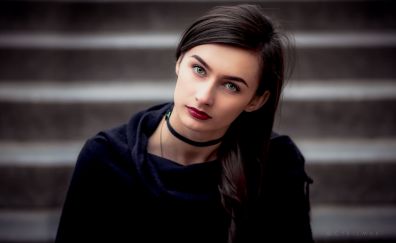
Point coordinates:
[[236, 88], [195, 67]]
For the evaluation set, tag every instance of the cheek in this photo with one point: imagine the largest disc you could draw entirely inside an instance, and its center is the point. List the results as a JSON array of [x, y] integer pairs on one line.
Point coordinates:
[[184, 86], [231, 110]]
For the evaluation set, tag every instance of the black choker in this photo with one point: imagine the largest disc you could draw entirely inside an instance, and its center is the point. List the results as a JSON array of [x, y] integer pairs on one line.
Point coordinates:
[[186, 140]]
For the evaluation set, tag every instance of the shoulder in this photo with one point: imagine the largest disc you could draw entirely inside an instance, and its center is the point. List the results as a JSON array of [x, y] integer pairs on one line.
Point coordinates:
[[102, 150], [121, 138], [113, 146], [283, 147], [285, 158], [111, 138]]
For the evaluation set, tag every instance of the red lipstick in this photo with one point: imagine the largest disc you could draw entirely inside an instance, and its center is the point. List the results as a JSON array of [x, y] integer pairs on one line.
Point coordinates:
[[200, 115]]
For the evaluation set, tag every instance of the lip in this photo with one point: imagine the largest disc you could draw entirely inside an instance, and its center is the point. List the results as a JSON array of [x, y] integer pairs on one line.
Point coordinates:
[[200, 115]]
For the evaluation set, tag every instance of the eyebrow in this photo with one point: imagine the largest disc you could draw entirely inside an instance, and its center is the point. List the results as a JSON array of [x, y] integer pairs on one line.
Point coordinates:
[[237, 79]]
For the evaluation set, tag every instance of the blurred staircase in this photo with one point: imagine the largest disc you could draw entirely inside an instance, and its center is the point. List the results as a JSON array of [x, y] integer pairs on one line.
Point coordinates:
[[69, 69]]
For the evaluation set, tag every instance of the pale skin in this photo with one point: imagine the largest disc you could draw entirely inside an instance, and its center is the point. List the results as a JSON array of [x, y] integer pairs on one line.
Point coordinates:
[[219, 80]]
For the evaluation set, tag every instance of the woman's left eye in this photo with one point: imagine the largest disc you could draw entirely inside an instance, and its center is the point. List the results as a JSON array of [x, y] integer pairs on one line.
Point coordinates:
[[199, 70], [232, 87]]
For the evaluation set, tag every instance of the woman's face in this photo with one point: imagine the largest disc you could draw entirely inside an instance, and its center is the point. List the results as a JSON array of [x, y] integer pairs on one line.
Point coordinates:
[[215, 84]]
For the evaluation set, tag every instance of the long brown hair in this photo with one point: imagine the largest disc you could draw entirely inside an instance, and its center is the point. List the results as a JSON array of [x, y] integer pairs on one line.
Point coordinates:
[[243, 152]]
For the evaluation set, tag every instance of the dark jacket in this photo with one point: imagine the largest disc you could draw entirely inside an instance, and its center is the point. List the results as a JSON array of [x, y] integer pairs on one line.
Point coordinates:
[[120, 193]]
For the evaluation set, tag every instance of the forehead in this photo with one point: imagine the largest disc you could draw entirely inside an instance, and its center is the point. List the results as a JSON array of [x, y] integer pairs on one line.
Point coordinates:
[[228, 60]]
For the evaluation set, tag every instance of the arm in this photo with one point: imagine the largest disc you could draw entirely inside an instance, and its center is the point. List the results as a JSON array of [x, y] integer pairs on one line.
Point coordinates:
[[285, 200], [97, 196], [79, 212]]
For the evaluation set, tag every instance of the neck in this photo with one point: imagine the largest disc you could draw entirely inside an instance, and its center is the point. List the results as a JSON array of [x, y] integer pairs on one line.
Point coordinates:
[[186, 156], [163, 143], [187, 140], [176, 150], [184, 153]]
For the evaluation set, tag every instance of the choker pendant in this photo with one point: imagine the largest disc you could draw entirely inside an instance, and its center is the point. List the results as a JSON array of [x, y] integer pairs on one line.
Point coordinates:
[[186, 140]]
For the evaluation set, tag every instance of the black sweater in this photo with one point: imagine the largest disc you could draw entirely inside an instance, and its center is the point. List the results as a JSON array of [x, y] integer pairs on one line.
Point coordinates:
[[120, 193]]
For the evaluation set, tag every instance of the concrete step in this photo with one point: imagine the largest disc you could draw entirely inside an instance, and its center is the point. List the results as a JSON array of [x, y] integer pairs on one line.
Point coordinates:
[[351, 172], [36, 175], [125, 16], [74, 57], [160, 40], [28, 226], [329, 224], [338, 109], [70, 111], [348, 172], [354, 224]]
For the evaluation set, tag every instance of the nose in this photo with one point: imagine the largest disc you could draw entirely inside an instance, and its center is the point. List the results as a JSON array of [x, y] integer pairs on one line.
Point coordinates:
[[205, 94]]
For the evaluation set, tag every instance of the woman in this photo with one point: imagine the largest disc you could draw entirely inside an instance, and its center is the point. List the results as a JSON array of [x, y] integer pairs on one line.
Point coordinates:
[[207, 166]]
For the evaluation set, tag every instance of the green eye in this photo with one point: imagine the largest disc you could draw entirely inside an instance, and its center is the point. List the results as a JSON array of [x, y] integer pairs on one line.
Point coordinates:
[[199, 70], [232, 87]]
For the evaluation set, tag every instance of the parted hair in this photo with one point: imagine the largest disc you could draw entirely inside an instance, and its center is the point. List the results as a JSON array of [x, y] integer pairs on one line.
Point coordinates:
[[243, 153]]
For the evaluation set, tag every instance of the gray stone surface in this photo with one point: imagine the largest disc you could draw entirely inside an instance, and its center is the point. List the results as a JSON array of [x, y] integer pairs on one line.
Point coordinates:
[[104, 64], [28, 226], [69, 112], [354, 224], [329, 224], [344, 172], [175, 15], [64, 65]]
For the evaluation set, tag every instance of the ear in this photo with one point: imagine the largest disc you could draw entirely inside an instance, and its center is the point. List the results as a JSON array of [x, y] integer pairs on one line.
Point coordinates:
[[257, 102], [178, 64]]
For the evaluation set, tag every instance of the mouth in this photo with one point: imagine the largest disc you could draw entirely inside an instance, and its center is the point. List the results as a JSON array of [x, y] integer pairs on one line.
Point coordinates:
[[200, 115]]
